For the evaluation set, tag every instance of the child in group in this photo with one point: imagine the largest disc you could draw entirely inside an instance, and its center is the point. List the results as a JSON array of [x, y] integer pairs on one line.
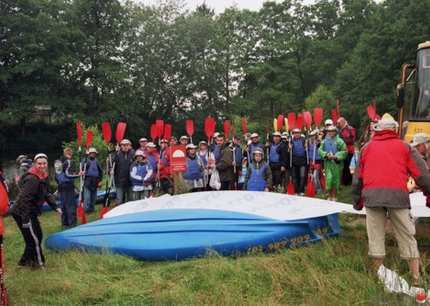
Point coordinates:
[[242, 176], [259, 175], [193, 176], [315, 161], [141, 177]]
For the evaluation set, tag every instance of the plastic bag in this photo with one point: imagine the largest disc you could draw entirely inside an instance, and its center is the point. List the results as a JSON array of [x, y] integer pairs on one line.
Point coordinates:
[[215, 182]]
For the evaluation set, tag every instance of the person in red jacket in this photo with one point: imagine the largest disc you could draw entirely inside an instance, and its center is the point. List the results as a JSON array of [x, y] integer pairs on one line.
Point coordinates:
[[386, 162], [4, 207], [348, 135], [165, 178]]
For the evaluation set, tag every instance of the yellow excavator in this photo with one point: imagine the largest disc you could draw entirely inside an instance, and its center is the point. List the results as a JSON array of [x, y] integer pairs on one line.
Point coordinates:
[[413, 95]]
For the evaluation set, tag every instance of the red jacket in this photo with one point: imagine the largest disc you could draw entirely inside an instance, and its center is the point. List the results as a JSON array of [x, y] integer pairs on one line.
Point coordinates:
[[348, 135], [4, 205], [165, 163], [386, 163]]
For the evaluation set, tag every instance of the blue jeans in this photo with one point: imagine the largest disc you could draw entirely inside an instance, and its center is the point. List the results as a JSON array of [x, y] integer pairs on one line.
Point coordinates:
[[68, 206], [122, 195], [90, 197]]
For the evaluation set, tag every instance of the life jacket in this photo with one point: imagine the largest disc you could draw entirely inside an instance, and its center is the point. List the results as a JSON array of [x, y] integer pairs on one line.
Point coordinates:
[[153, 160], [4, 204], [313, 152], [330, 145], [194, 169], [141, 170], [256, 181], [60, 173], [273, 153], [299, 147], [92, 168], [217, 152]]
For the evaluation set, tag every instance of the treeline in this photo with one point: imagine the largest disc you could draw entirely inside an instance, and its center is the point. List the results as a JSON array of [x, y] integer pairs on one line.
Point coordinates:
[[113, 60]]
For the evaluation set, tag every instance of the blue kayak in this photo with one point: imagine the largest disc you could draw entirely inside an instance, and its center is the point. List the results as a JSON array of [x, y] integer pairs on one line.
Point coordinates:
[[175, 234]]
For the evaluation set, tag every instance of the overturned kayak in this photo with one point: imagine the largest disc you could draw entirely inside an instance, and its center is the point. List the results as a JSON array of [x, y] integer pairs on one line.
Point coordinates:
[[266, 204], [175, 234]]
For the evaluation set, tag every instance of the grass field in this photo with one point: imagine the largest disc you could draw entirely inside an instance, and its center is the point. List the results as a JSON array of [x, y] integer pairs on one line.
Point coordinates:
[[334, 272]]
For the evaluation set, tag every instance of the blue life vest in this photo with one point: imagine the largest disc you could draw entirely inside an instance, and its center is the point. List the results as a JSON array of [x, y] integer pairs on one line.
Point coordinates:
[[152, 161], [217, 152], [313, 152], [330, 145], [273, 153], [256, 181], [299, 147], [141, 170], [92, 169], [61, 178], [238, 155], [194, 171]]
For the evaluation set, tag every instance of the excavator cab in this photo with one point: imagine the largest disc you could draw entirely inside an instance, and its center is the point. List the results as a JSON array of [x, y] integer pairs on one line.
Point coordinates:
[[413, 94]]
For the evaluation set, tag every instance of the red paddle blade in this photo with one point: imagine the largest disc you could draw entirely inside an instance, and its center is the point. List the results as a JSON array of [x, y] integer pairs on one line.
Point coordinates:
[[280, 122], [334, 115], [79, 133], [291, 121], [318, 116], [120, 131], [210, 125], [308, 119], [153, 131], [167, 131], [371, 112], [244, 125], [310, 188], [189, 127], [160, 127], [107, 132], [299, 121], [81, 214], [103, 211], [290, 188], [227, 127], [89, 139]]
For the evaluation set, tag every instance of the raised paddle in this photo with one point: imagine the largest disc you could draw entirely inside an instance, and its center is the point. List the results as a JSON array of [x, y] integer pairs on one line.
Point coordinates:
[[371, 112], [280, 122], [275, 124], [153, 132], [307, 117], [299, 121], [120, 131], [334, 115], [107, 132], [79, 134], [189, 128], [167, 134], [318, 115], [291, 121], [80, 212], [209, 127]]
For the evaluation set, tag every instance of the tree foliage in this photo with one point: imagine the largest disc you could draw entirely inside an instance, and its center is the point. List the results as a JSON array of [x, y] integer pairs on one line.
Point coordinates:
[[97, 60]]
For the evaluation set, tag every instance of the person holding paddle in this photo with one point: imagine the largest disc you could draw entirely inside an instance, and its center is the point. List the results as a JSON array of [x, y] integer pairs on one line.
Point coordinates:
[[121, 171], [93, 176]]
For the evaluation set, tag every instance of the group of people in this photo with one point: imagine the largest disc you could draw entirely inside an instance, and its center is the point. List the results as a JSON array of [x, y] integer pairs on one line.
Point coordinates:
[[380, 183]]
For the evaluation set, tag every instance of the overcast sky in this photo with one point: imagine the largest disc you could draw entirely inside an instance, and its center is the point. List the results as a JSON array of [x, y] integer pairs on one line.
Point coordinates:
[[220, 5]]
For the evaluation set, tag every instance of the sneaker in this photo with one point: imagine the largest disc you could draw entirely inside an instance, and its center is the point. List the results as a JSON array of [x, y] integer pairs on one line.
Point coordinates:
[[301, 194]]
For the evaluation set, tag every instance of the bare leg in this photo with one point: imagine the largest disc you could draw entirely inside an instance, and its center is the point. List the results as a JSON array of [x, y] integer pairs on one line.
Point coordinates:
[[376, 263], [414, 268]]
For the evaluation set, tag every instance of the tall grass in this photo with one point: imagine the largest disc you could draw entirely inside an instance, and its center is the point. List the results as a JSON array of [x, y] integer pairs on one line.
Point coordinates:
[[333, 272]]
